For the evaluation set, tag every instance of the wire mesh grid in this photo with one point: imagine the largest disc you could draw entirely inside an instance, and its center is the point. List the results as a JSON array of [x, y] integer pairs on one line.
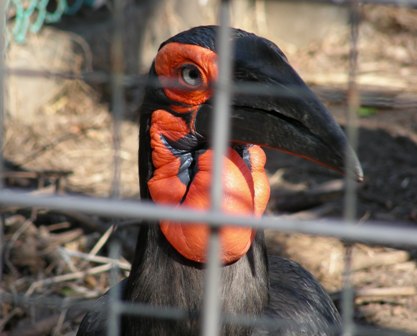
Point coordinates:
[[113, 207]]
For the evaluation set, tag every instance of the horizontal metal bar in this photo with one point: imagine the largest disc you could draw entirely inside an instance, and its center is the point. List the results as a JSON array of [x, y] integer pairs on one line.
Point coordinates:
[[246, 88], [372, 232], [96, 77]]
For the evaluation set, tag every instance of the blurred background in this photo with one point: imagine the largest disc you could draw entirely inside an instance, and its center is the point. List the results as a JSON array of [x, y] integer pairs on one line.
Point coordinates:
[[61, 136]]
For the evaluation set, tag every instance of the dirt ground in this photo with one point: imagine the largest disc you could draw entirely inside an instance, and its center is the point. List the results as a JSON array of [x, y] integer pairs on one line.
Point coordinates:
[[68, 149]]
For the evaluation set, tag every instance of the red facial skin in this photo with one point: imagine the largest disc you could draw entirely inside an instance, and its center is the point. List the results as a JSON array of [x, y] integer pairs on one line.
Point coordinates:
[[246, 190]]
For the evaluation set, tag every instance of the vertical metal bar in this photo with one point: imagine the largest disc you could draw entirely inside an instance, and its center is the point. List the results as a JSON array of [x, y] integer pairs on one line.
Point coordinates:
[[221, 124], [220, 128], [118, 103], [3, 36], [211, 309], [353, 101], [114, 308], [350, 201], [118, 108], [3, 6]]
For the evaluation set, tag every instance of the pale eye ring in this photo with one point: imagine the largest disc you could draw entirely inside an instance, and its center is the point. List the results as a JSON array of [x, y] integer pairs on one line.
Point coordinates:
[[191, 75]]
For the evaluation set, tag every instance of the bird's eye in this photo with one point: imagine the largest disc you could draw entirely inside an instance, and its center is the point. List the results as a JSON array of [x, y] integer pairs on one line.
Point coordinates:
[[191, 75]]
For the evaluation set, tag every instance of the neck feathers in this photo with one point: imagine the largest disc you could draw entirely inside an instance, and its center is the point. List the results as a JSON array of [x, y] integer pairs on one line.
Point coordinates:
[[162, 277]]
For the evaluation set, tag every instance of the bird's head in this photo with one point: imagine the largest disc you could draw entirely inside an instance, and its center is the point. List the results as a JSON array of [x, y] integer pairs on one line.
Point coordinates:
[[286, 116]]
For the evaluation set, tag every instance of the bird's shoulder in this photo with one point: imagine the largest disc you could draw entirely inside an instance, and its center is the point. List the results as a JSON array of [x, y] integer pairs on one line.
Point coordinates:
[[299, 300]]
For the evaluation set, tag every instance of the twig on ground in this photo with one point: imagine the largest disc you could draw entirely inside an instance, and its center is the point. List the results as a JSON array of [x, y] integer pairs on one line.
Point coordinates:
[[11, 243], [367, 295], [66, 237], [58, 226], [90, 223], [98, 259], [68, 277], [380, 259], [102, 241]]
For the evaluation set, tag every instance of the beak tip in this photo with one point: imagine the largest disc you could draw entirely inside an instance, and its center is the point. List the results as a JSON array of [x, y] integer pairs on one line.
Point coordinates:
[[359, 174], [356, 171]]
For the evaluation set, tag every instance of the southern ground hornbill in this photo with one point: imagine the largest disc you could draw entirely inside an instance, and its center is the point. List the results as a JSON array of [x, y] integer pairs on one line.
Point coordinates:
[[175, 166]]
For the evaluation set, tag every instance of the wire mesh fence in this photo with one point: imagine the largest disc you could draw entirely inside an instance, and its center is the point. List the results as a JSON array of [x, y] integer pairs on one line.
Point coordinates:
[[346, 229]]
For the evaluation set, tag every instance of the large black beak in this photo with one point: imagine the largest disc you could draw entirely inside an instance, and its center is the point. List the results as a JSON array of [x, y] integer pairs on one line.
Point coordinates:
[[281, 112]]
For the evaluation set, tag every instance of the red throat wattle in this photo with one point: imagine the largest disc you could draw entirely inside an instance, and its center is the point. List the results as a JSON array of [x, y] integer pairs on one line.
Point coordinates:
[[244, 186]]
